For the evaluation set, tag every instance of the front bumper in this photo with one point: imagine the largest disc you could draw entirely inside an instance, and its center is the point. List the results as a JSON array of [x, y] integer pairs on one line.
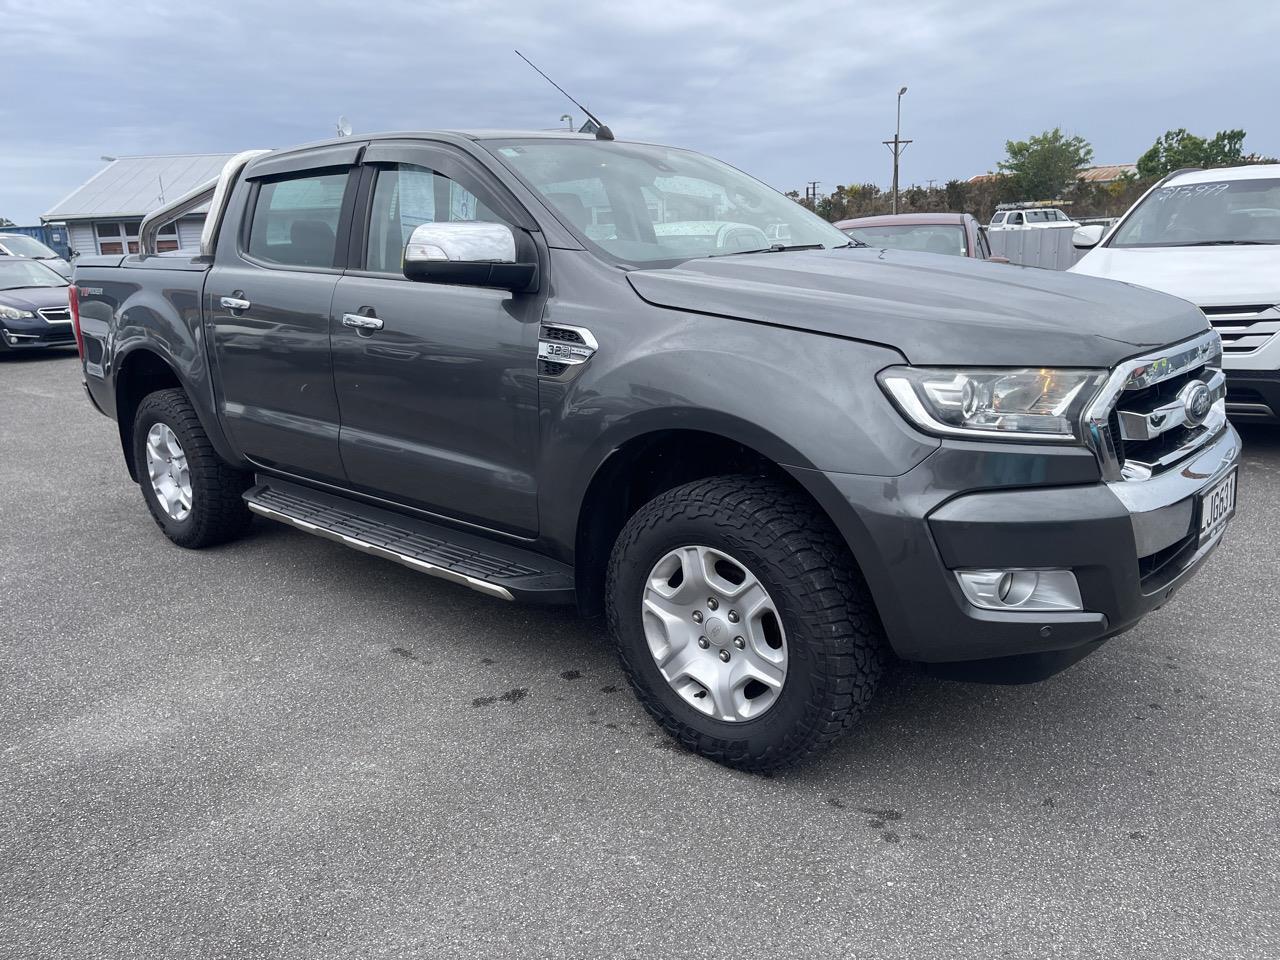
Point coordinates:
[[35, 335], [1131, 545], [1253, 396]]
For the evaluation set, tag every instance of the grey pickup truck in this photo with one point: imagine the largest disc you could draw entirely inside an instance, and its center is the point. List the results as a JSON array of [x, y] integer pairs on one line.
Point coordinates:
[[564, 369]]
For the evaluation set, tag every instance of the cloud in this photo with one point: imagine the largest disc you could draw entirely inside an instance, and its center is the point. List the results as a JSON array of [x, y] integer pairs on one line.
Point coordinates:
[[788, 91]]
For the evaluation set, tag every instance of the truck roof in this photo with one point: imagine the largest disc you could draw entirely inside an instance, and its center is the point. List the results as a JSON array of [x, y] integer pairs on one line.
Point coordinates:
[[441, 135]]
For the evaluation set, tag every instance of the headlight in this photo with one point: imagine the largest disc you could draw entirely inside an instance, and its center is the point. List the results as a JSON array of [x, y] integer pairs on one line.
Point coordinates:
[[996, 404], [13, 313]]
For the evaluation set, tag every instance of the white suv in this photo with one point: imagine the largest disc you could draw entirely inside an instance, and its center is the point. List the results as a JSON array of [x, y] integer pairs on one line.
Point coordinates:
[[1035, 218], [1211, 237]]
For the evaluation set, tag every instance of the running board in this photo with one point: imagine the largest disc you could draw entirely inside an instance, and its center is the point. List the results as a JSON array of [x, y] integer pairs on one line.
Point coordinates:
[[497, 569]]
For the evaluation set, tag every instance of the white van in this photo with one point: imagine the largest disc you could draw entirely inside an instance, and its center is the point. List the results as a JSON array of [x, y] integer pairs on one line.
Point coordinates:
[[1211, 237]]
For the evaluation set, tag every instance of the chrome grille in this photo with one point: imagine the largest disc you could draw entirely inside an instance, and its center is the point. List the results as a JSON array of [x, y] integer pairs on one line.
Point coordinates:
[[55, 314], [1143, 422], [1244, 328]]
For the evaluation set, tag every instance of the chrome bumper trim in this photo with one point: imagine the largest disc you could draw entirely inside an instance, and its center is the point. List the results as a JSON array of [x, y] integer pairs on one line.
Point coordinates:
[[1162, 509]]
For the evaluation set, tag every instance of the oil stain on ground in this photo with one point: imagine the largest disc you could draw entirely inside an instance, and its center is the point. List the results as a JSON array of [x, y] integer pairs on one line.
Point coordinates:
[[511, 696]]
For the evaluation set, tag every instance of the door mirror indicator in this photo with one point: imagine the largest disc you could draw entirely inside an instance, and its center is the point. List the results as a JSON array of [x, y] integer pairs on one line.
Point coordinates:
[[1083, 238], [468, 254]]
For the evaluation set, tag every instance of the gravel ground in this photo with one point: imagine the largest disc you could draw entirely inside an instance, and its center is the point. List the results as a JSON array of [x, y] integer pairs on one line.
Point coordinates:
[[283, 748]]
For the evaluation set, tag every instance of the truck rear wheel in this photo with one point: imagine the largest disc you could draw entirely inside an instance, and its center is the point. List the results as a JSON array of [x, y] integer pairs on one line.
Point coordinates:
[[193, 495], [742, 621]]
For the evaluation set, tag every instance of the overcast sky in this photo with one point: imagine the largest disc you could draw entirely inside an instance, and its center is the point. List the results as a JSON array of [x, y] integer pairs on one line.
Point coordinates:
[[788, 90]]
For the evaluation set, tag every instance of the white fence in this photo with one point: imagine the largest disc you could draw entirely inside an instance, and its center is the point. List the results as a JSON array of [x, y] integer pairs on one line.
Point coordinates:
[[1048, 247]]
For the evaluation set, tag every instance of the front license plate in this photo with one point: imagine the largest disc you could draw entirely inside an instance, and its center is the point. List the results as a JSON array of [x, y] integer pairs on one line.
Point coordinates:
[[1216, 507]]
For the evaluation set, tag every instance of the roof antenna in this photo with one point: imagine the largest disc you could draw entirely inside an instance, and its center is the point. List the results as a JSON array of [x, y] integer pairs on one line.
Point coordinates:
[[602, 132]]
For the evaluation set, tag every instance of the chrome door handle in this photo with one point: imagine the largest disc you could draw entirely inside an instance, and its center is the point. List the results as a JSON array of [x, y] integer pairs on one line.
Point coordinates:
[[361, 322], [235, 303]]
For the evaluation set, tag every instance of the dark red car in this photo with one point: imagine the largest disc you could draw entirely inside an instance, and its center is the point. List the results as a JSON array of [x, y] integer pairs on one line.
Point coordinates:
[[956, 234]]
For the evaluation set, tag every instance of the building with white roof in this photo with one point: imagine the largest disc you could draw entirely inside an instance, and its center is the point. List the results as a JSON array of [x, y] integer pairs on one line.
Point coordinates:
[[103, 215]]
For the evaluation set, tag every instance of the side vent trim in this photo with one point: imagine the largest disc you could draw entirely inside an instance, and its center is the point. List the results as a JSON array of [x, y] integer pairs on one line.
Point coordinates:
[[563, 350]]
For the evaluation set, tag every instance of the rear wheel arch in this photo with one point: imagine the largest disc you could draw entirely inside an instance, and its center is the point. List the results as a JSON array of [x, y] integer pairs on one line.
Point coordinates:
[[142, 372]]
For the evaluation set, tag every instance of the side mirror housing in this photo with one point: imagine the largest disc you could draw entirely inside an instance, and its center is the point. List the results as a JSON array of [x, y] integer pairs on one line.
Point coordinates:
[[468, 254], [1083, 238]]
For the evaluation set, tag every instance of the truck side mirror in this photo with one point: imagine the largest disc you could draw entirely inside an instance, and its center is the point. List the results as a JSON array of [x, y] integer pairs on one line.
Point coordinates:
[[469, 254], [1083, 238]]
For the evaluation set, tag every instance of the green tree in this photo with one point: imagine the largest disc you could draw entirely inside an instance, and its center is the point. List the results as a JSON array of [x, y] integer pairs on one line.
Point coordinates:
[[1045, 165], [1176, 149]]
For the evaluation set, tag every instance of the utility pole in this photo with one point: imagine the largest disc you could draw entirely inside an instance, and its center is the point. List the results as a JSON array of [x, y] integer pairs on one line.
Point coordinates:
[[811, 192], [897, 145]]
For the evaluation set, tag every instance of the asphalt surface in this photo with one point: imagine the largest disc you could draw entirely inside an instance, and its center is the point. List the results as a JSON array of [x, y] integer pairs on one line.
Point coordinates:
[[282, 748]]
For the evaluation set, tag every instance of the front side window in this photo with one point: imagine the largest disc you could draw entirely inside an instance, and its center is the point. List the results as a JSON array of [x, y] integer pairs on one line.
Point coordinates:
[[1015, 219], [406, 195], [644, 204], [1217, 213], [921, 237], [295, 221], [998, 218]]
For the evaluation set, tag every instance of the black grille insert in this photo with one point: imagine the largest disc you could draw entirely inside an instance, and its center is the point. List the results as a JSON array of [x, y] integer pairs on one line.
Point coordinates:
[[562, 335]]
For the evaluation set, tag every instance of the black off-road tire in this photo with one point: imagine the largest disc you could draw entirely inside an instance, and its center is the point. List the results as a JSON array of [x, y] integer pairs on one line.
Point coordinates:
[[218, 512], [835, 642]]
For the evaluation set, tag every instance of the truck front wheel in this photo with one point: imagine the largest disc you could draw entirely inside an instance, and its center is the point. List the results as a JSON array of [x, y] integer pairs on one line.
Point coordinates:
[[194, 496], [742, 621]]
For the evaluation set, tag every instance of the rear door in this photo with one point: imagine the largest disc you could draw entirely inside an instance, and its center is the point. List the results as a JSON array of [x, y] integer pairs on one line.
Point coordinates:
[[268, 300], [439, 406]]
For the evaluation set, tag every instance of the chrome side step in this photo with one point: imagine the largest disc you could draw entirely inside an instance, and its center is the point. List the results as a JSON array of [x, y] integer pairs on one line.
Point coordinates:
[[495, 569]]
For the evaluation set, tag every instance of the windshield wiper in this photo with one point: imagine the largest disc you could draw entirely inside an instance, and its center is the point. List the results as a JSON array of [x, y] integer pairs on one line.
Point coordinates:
[[1227, 243], [773, 248]]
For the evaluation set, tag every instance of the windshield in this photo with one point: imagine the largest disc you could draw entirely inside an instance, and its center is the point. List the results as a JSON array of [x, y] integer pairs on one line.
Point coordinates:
[[638, 203], [28, 273], [1205, 214], [922, 237], [21, 246]]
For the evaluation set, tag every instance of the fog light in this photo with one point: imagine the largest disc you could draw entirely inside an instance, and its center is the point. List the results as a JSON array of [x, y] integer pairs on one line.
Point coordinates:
[[1021, 589]]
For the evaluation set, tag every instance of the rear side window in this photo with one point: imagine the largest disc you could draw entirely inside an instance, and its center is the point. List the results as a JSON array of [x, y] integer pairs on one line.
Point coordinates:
[[295, 221], [998, 218]]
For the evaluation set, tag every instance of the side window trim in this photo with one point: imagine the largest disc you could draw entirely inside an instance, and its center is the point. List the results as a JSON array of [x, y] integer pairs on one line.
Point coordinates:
[[342, 232], [442, 159], [450, 162]]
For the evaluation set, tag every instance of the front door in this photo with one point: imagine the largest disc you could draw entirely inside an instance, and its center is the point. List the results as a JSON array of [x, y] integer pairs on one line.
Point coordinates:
[[269, 302], [439, 406]]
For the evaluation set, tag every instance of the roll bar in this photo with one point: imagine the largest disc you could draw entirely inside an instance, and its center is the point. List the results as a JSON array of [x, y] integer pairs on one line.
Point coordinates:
[[214, 192]]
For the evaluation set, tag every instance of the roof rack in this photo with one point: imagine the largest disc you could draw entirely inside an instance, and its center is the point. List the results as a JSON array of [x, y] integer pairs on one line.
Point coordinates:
[[1033, 204], [215, 192]]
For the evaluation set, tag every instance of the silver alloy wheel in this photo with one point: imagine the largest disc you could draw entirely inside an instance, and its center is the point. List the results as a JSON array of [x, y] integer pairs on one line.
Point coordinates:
[[714, 633], [170, 475]]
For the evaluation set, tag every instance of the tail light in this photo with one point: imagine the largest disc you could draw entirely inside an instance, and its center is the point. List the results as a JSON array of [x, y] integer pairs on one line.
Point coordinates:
[[73, 302]]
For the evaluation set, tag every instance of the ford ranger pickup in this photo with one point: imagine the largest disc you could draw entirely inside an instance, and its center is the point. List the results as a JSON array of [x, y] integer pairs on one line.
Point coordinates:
[[565, 369]]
